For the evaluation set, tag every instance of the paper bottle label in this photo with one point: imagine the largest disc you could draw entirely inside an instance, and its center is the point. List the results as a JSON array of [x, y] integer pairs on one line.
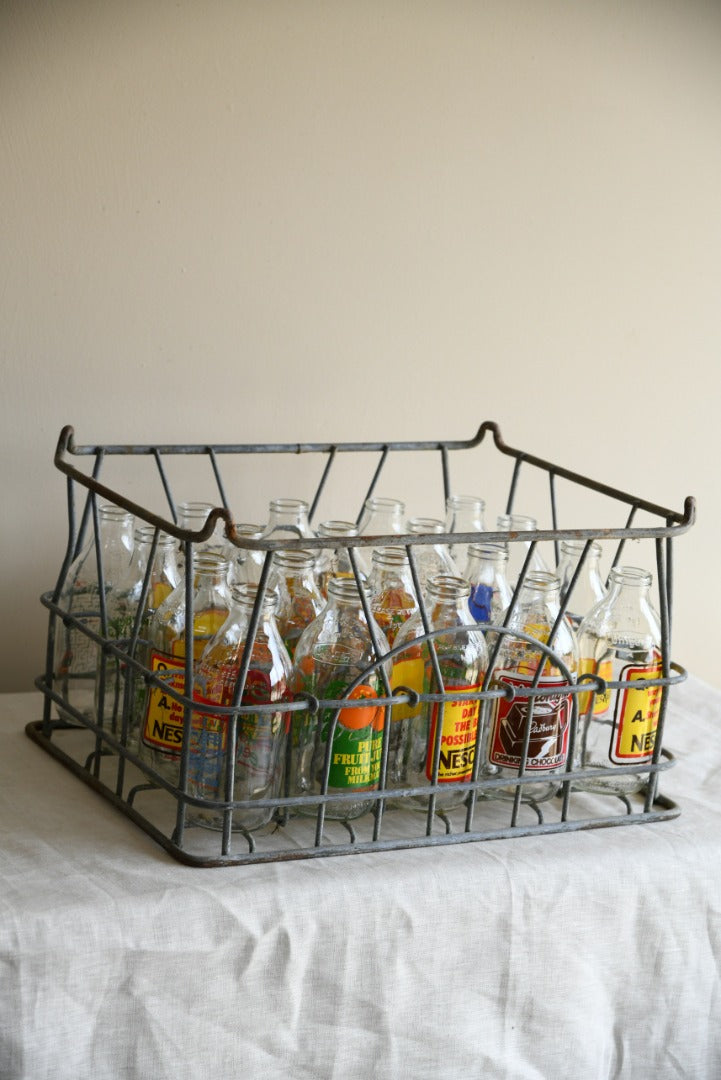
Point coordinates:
[[548, 741]]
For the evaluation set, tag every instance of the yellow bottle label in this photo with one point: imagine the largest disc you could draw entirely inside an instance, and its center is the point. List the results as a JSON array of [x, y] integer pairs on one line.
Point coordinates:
[[408, 673], [164, 715], [602, 701], [636, 716], [458, 738]]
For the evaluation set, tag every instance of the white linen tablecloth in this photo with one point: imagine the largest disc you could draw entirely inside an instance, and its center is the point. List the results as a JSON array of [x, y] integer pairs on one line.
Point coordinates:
[[584, 956]]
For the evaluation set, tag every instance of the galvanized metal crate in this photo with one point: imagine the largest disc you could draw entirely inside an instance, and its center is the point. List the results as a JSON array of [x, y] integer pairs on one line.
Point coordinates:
[[99, 752]]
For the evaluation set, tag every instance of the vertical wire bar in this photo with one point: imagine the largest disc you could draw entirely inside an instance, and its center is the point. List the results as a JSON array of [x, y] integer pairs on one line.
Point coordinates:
[[435, 664], [53, 626], [574, 711], [380, 802], [322, 482], [100, 675], [233, 722], [554, 516], [132, 675], [189, 635], [166, 485], [374, 481], [99, 458], [652, 786], [514, 483], [218, 478], [622, 542], [446, 475]]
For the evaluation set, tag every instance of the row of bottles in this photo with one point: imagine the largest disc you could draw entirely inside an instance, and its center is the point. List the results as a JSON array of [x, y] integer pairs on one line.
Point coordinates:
[[314, 637]]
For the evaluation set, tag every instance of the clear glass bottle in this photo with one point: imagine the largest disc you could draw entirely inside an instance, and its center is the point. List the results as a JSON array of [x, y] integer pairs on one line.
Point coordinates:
[[193, 516], [431, 559], [589, 587], [299, 598], [464, 514], [380, 517], [245, 564], [163, 717], [550, 714], [486, 573], [390, 590], [122, 604], [463, 660], [76, 656], [334, 562], [333, 655], [260, 736], [620, 640], [287, 518], [518, 550]]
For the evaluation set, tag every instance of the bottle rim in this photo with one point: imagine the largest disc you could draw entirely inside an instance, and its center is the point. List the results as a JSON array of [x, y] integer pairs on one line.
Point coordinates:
[[542, 581], [296, 560], [426, 525], [575, 547], [631, 575], [382, 502], [517, 522], [344, 588], [284, 505], [111, 512], [465, 502], [448, 587], [245, 593], [488, 551], [336, 527], [144, 535]]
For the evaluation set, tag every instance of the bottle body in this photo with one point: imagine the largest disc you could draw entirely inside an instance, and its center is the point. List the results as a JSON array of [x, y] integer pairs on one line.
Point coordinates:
[[431, 559], [464, 514], [620, 640], [122, 603], [543, 720], [333, 661], [334, 562], [163, 717], [518, 549], [434, 741], [76, 655], [260, 735], [485, 572]]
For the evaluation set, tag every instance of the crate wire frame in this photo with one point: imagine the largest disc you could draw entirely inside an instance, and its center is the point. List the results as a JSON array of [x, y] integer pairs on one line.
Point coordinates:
[[107, 762]]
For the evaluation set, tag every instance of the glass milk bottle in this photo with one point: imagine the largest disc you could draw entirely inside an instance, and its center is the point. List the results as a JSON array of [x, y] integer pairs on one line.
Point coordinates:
[[486, 573], [163, 719], [260, 736], [334, 562], [380, 517], [76, 656], [620, 640], [331, 663], [431, 559], [464, 514], [122, 605], [390, 590], [299, 598], [517, 549], [548, 715], [589, 587], [463, 660]]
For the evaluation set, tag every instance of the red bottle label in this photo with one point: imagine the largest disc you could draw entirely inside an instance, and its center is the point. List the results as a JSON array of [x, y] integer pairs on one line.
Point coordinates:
[[549, 734]]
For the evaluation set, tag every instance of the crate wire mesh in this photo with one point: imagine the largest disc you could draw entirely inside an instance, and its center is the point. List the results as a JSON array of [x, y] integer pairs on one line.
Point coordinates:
[[98, 750]]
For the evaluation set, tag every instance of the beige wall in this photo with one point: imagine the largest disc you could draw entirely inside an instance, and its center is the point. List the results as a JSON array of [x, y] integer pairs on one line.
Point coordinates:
[[280, 221]]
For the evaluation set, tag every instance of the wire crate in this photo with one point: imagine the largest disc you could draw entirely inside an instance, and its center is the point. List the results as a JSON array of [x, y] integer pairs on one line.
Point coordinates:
[[97, 749]]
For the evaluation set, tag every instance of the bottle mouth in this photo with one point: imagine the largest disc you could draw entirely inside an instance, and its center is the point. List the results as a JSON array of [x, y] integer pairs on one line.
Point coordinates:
[[344, 588], [517, 522], [448, 587], [631, 575], [390, 556], [294, 560], [246, 593], [425, 525], [110, 512], [379, 502], [465, 502], [542, 581], [286, 505], [144, 535], [575, 547], [337, 528], [488, 551]]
